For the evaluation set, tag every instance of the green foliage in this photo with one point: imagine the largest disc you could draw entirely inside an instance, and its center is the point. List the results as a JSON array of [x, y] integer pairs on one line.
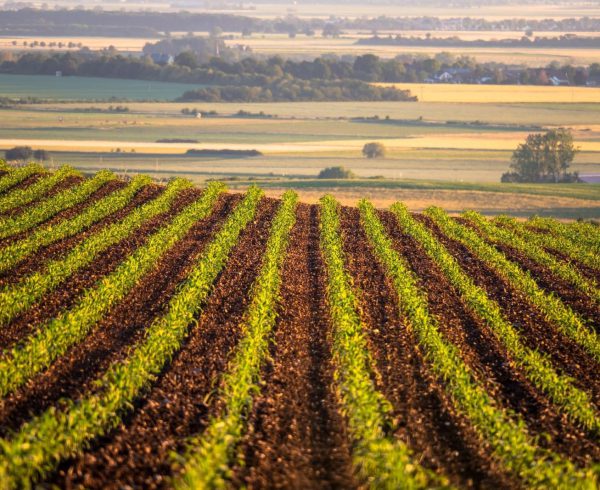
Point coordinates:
[[506, 433], [206, 461], [380, 460], [42, 236], [336, 173], [561, 316], [46, 209], [54, 435], [544, 158], [373, 150], [553, 241], [56, 336], [15, 298], [535, 252], [537, 367], [17, 175], [582, 234], [21, 197]]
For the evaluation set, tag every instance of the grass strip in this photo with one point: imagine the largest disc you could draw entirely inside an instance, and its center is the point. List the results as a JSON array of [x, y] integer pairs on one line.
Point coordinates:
[[503, 431], [537, 367], [15, 298], [555, 311], [21, 197], [535, 252], [55, 435], [207, 457], [56, 336], [17, 175], [46, 209], [379, 460], [43, 236], [554, 242]]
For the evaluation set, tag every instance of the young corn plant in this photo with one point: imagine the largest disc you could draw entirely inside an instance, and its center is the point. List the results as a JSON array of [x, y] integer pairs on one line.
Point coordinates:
[[537, 367], [502, 430], [45, 210], [16, 298], [54, 435], [17, 175], [22, 197], [581, 234], [380, 460], [560, 315], [554, 242], [564, 270], [56, 336], [206, 460], [43, 236]]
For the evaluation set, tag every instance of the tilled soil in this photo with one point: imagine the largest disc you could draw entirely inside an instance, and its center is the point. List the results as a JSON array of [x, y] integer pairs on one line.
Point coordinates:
[[536, 332], [296, 437], [108, 342], [577, 300], [486, 356], [425, 418], [36, 261], [64, 296], [137, 453], [104, 191]]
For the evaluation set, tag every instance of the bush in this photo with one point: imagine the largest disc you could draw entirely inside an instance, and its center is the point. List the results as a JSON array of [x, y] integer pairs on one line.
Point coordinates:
[[19, 153], [373, 150], [41, 155], [336, 173]]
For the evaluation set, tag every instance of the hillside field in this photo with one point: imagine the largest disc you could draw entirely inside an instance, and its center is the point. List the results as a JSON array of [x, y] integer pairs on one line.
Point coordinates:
[[166, 336]]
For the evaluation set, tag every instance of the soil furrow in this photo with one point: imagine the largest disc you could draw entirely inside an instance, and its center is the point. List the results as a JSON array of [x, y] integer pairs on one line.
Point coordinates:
[[536, 332], [72, 374], [137, 453], [104, 191], [32, 179], [61, 186], [424, 416], [64, 296], [487, 357], [36, 261], [297, 438], [577, 300]]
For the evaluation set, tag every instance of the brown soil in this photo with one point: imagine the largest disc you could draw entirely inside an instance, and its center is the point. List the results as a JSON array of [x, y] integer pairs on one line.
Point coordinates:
[[72, 374], [441, 439], [297, 438], [536, 332], [64, 296], [136, 454], [37, 260], [487, 357]]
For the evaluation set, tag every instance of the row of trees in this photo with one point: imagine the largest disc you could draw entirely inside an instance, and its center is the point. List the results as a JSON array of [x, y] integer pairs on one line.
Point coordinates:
[[200, 68], [25, 154]]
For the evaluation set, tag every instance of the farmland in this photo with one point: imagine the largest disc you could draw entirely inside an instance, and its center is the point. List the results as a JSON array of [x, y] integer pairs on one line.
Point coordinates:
[[164, 336]]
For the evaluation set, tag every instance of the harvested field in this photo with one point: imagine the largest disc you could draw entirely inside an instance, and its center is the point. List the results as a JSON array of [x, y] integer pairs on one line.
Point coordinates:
[[214, 339]]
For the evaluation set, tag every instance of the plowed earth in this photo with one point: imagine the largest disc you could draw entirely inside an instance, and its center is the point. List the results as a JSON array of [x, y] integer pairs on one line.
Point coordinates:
[[296, 435]]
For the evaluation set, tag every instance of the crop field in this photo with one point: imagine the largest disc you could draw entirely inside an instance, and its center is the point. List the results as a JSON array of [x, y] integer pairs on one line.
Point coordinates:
[[174, 337]]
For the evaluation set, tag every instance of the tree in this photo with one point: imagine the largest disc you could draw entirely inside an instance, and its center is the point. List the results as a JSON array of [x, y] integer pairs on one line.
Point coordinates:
[[543, 158], [19, 153], [336, 173], [373, 150], [187, 58]]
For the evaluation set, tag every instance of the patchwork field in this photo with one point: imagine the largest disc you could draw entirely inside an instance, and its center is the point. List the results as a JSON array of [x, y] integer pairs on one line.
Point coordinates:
[[165, 336]]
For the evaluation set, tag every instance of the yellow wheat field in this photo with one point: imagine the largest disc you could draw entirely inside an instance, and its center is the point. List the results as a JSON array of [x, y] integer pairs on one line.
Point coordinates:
[[495, 94]]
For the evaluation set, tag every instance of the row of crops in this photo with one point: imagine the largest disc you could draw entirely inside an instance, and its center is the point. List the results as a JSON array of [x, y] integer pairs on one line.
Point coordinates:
[[105, 285]]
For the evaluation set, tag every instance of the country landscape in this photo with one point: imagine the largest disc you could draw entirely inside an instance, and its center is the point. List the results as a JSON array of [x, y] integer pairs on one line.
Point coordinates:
[[265, 246]]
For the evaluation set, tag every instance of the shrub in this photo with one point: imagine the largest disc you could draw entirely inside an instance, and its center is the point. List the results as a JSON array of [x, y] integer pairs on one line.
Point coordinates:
[[373, 150], [336, 173], [19, 153]]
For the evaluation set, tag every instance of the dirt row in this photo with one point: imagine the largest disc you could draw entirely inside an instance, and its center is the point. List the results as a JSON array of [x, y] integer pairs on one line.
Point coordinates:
[[297, 438], [106, 262], [536, 331], [102, 192], [60, 248], [136, 454]]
